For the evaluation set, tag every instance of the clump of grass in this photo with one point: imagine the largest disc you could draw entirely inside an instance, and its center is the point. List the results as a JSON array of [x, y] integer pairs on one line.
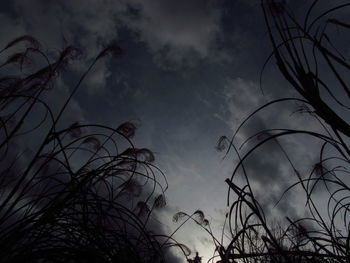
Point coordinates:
[[83, 193], [303, 51]]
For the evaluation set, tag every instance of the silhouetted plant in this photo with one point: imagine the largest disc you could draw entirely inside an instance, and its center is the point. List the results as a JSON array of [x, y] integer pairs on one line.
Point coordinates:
[[83, 193], [304, 51]]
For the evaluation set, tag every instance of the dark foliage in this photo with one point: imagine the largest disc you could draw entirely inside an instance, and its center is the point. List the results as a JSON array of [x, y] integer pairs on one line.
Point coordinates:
[[308, 56], [78, 194]]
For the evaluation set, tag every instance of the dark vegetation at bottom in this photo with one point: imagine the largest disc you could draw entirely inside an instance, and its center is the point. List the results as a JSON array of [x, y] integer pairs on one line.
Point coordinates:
[[85, 193], [308, 54], [70, 193]]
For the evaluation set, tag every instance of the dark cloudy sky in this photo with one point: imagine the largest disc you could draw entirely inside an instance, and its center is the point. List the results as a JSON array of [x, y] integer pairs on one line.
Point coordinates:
[[189, 73]]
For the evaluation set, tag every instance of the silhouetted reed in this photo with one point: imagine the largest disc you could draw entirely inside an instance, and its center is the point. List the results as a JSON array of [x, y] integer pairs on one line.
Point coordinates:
[[83, 193], [304, 51]]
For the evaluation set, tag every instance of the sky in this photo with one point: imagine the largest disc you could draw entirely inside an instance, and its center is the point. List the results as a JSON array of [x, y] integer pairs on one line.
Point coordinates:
[[189, 73]]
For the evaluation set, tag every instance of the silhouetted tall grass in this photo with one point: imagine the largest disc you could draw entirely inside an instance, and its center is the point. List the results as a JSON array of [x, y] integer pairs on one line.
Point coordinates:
[[81, 193], [307, 56]]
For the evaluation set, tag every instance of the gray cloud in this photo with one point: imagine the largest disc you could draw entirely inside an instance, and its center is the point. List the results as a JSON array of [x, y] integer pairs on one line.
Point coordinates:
[[175, 32], [177, 29]]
